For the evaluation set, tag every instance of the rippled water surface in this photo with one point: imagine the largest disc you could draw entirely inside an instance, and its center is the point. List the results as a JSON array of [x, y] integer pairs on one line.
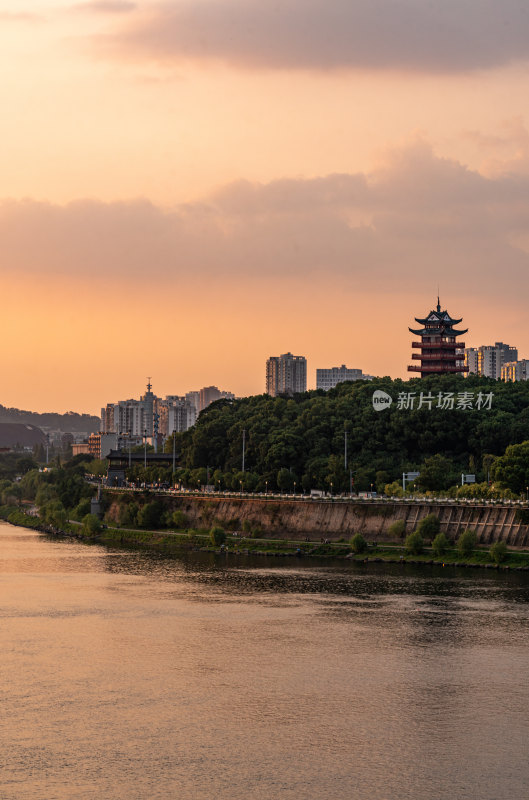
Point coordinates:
[[131, 675]]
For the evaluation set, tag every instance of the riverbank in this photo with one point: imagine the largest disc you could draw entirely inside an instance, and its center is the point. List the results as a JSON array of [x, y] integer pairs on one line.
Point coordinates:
[[175, 542], [337, 519]]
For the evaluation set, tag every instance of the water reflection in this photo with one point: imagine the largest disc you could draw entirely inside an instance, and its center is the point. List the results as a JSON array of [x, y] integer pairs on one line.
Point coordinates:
[[134, 675]]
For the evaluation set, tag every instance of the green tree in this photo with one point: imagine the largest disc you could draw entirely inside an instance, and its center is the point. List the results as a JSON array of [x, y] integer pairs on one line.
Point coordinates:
[[12, 495], [53, 513], [414, 543], [440, 545], [82, 509], [397, 529], [217, 536], [91, 525], [128, 514], [179, 520], [466, 542], [358, 543], [436, 473], [285, 481], [150, 515], [498, 552], [512, 469], [429, 526]]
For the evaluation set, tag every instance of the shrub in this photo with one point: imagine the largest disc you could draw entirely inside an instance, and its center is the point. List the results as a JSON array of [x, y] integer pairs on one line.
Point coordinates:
[[440, 544], [358, 543], [397, 529], [150, 515], [414, 543], [466, 542], [217, 535], [91, 525], [179, 519], [429, 526], [54, 513], [498, 552], [128, 515], [81, 509]]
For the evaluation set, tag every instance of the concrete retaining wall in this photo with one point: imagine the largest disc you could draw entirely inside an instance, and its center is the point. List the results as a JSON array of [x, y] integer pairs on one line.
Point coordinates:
[[296, 519]]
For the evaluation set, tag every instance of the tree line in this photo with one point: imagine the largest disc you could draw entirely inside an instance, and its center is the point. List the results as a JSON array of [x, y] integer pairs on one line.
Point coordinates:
[[300, 441]]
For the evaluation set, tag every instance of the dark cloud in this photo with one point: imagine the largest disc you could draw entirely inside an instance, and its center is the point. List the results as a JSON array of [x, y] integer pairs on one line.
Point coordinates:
[[417, 35], [416, 216]]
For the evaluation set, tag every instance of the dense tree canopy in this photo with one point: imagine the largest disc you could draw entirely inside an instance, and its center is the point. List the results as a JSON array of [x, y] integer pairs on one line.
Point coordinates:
[[304, 435]]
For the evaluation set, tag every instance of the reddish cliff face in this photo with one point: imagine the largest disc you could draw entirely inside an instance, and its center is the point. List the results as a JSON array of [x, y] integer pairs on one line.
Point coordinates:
[[296, 519]]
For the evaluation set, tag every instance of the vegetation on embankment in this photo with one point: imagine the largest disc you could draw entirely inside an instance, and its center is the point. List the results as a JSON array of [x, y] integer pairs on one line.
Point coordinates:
[[296, 518], [178, 542], [191, 540]]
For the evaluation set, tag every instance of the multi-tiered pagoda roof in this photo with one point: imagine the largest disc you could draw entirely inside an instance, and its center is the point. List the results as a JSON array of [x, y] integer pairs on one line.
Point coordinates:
[[440, 352]]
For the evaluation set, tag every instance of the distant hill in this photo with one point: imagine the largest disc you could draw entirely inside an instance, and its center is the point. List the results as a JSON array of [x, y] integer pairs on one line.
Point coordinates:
[[466, 421], [71, 422]]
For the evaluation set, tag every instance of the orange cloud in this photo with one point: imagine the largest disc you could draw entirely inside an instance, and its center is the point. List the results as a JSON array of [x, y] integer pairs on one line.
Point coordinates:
[[334, 268]]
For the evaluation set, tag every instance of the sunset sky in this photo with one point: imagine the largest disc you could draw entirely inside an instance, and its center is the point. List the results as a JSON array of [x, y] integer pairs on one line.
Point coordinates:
[[188, 187]]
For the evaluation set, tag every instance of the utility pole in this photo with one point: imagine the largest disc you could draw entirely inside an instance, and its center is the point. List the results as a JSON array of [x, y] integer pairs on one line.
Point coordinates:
[[243, 446], [155, 421], [345, 449], [174, 452]]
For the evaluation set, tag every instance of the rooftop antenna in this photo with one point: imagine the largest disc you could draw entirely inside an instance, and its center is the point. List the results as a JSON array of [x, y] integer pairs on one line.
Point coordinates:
[[149, 387]]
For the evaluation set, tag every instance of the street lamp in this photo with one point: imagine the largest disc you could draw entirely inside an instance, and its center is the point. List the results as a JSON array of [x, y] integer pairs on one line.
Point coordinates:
[[145, 456], [371, 490], [240, 483], [266, 487], [331, 488], [294, 487]]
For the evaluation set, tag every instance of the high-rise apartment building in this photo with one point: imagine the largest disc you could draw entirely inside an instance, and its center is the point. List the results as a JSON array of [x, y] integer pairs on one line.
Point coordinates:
[[488, 360], [515, 370], [208, 395], [194, 399], [177, 414], [329, 378], [153, 417], [471, 360], [286, 374]]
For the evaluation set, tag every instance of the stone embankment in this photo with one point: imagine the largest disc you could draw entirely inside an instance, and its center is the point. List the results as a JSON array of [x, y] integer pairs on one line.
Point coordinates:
[[337, 519]]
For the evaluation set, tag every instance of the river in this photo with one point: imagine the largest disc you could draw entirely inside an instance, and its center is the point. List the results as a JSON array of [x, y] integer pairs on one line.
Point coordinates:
[[129, 675]]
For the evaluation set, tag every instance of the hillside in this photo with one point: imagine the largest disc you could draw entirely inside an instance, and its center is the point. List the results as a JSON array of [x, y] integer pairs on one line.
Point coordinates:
[[464, 421], [69, 422]]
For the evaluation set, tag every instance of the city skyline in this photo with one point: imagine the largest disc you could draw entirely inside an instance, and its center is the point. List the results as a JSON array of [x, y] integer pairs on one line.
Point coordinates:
[[184, 191]]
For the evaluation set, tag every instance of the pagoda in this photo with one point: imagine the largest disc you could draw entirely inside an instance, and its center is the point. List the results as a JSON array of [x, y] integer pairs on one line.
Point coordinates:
[[439, 351]]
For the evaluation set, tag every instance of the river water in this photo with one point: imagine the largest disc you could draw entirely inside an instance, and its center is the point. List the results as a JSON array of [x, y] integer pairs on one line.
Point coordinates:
[[131, 675]]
